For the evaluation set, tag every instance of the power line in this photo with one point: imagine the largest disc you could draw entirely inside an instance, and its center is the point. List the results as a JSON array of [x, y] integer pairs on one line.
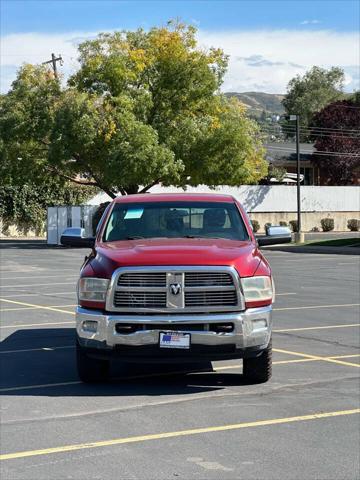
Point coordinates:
[[329, 135], [304, 129], [345, 106], [289, 130], [290, 127], [313, 127], [323, 129], [310, 152]]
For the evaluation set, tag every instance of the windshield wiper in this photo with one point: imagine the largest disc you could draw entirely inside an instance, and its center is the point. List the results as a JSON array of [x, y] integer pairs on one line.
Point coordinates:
[[194, 236], [207, 236], [133, 238]]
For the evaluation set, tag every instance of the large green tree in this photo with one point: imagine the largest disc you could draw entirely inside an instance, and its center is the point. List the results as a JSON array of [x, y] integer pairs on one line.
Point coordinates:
[[27, 182], [310, 93], [143, 108]]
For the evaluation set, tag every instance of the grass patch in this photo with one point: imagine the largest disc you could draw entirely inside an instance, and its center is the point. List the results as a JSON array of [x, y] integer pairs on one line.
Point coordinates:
[[340, 242]]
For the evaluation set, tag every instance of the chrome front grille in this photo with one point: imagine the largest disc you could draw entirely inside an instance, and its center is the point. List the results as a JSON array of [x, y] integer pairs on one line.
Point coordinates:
[[142, 279], [140, 299], [199, 279], [175, 290], [211, 298]]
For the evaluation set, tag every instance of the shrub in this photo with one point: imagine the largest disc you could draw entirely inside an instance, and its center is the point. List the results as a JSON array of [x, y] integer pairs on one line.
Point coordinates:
[[26, 205], [293, 225], [97, 215], [283, 224], [327, 224], [315, 229], [255, 225], [353, 225]]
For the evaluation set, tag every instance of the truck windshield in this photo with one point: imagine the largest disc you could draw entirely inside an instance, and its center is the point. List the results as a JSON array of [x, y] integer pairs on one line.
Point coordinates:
[[130, 221]]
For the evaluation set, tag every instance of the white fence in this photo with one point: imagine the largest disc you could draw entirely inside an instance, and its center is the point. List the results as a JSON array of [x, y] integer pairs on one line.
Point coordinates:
[[276, 198], [282, 198], [257, 199]]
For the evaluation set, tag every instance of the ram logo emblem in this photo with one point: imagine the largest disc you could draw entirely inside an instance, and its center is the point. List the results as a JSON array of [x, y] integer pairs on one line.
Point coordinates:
[[175, 288]]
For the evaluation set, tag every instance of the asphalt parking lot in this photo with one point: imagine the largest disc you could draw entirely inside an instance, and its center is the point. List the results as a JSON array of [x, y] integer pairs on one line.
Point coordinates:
[[152, 424]]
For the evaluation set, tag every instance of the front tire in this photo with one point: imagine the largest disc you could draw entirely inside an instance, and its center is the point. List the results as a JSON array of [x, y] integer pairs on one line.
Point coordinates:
[[91, 370], [259, 369]]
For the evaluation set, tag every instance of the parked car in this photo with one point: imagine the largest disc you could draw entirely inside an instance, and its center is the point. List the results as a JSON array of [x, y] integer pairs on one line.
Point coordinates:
[[74, 237], [175, 278]]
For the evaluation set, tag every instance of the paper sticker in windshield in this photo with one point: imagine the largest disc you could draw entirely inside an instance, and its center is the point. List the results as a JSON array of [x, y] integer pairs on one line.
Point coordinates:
[[134, 213]]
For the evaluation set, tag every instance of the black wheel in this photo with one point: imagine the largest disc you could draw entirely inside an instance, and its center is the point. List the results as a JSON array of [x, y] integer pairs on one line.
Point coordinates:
[[90, 369], [259, 369]]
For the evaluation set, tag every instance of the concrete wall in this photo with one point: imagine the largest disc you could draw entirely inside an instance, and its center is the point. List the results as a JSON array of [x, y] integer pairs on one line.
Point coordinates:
[[282, 198], [276, 198], [274, 203], [309, 220]]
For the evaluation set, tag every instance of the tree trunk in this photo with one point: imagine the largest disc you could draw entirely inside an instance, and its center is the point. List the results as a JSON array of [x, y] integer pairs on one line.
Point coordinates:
[[131, 189], [147, 187]]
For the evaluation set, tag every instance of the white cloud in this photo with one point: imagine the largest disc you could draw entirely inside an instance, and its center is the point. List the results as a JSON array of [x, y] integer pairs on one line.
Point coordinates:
[[19, 48], [267, 59], [310, 22], [260, 60]]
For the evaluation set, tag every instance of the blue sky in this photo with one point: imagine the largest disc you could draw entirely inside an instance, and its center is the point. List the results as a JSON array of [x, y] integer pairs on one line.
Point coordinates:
[[61, 16], [268, 41]]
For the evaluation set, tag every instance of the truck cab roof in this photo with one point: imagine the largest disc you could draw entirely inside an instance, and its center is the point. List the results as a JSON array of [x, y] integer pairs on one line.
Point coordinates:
[[175, 197]]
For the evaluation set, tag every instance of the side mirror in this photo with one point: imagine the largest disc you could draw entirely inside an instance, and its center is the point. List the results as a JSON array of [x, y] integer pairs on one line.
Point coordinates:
[[75, 237], [274, 235]]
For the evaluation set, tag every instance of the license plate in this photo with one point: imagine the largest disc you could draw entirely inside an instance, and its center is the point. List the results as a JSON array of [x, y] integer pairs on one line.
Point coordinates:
[[174, 340]]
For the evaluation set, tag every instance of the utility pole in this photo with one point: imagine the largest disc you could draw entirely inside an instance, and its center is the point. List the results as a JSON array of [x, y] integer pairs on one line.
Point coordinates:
[[53, 60], [299, 236]]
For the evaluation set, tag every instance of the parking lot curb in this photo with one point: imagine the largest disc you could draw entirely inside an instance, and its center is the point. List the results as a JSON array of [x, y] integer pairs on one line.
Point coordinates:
[[315, 249]]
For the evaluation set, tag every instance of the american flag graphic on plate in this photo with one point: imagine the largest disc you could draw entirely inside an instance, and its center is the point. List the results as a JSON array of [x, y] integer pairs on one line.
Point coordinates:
[[174, 340]]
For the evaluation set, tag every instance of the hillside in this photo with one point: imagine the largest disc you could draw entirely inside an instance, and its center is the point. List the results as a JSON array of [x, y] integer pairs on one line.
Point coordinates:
[[259, 101]]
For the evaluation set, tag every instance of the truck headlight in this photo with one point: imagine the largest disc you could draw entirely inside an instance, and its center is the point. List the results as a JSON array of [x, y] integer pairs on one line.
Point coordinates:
[[93, 289], [258, 291]]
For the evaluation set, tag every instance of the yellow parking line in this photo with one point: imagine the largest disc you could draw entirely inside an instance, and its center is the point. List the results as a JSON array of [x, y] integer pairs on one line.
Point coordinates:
[[317, 328], [31, 308], [275, 309], [231, 367], [180, 433], [316, 357], [301, 360], [308, 307], [165, 374], [275, 331], [283, 362], [42, 307]]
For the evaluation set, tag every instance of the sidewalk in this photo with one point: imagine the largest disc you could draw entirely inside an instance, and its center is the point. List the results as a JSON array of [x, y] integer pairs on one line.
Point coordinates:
[[293, 248]]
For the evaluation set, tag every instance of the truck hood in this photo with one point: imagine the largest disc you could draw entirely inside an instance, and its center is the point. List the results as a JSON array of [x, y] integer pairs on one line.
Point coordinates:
[[244, 256]]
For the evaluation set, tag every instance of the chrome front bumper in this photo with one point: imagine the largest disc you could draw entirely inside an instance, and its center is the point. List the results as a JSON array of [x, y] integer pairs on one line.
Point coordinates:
[[252, 328]]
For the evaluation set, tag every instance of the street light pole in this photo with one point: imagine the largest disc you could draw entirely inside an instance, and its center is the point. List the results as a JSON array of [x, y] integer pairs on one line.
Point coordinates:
[[298, 175], [299, 236]]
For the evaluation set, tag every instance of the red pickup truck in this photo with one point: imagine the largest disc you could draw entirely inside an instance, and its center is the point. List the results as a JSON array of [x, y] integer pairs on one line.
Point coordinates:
[[175, 278]]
